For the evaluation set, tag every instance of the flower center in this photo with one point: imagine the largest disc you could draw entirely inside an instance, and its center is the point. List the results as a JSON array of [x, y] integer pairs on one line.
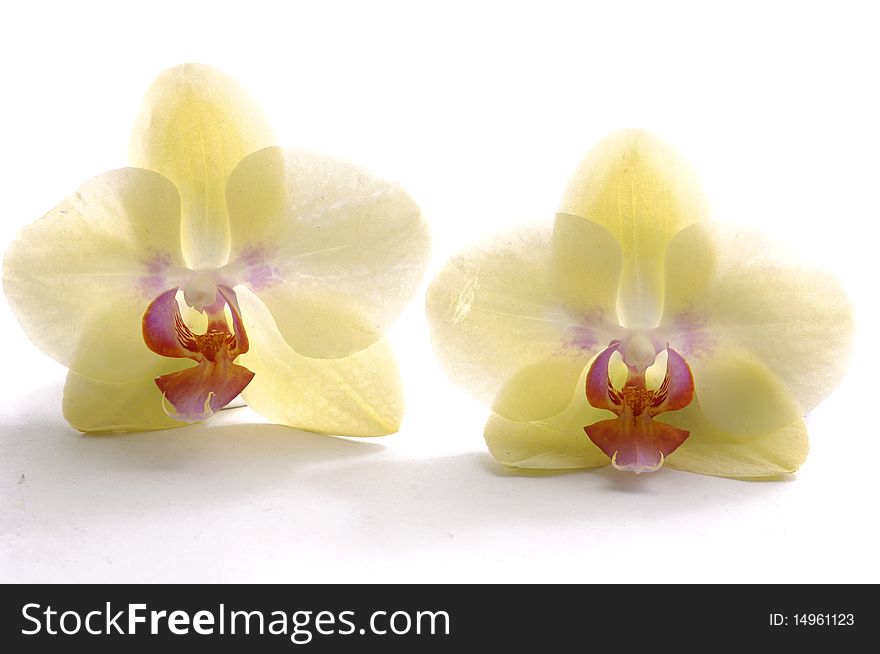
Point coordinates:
[[210, 343], [200, 290], [639, 352], [197, 393], [637, 399], [633, 440]]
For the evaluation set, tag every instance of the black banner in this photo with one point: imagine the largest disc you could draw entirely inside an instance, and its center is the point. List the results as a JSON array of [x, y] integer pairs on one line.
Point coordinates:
[[233, 618]]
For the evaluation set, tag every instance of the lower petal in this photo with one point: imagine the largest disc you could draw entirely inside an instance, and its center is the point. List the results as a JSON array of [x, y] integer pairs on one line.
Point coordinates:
[[740, 395], [199, 392], [359, 395], [539, 389], [712, 451], [639, 445], [553, 443], [91, 405]]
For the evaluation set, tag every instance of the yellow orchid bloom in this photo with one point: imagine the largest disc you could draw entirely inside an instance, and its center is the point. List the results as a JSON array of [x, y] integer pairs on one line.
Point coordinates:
[[634, 333], [275, 271]]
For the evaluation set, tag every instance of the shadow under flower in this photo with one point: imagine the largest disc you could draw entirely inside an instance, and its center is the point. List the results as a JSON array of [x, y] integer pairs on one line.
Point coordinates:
[[57, 471], [249, 502]]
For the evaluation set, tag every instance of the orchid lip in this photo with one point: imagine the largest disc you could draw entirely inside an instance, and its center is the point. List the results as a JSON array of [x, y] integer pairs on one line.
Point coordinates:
[[198, 392], [633, 440], [636, 468]]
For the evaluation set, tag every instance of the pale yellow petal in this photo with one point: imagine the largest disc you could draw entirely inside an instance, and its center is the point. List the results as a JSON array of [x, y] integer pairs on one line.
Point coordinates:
[[136, 405], [731, 290], [738, 394], [643, 193], [505, 329], [588, 262], [80, 279], [557, 442], [195, 125], [332, 251], [360, 395], [713, 451]]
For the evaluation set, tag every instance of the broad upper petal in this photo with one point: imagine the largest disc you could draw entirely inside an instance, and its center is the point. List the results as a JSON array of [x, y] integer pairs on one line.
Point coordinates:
[[80, 278], [739, 307], [639, 189], [359, 395], [505, 327], [194, 127], [332, 251]]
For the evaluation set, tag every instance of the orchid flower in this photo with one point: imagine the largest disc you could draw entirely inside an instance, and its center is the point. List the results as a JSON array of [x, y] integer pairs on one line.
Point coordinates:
[[635, 333], [217, 265]]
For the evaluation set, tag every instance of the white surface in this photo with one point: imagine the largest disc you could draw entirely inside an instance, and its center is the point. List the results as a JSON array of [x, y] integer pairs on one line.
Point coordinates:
[[482, 111]]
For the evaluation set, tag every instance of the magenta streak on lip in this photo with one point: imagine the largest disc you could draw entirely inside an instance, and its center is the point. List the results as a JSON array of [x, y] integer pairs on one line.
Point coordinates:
[[198, 392], [633, 440]]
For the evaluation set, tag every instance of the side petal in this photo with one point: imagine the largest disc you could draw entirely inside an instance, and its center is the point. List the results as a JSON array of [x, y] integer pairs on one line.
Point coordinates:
[[332, 251], [643, 193], [242, 344], [80, 278], [710, 450], [359, 395], [164, 330], [90, 405], [194, 127], [553, 443], [600, 391], [677, 389], [504, 330], [731, 290]]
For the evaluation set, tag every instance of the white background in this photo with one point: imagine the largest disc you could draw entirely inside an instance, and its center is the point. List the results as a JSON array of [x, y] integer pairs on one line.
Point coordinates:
[[482, 111]]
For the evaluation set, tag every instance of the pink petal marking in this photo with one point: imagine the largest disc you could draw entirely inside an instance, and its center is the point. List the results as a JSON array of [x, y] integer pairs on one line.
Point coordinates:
[[241, 336], [677, 389], [259, 273], [633, 440], [692, 335], [600, 392], [157, 274], [164, 330], [197, 393]]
